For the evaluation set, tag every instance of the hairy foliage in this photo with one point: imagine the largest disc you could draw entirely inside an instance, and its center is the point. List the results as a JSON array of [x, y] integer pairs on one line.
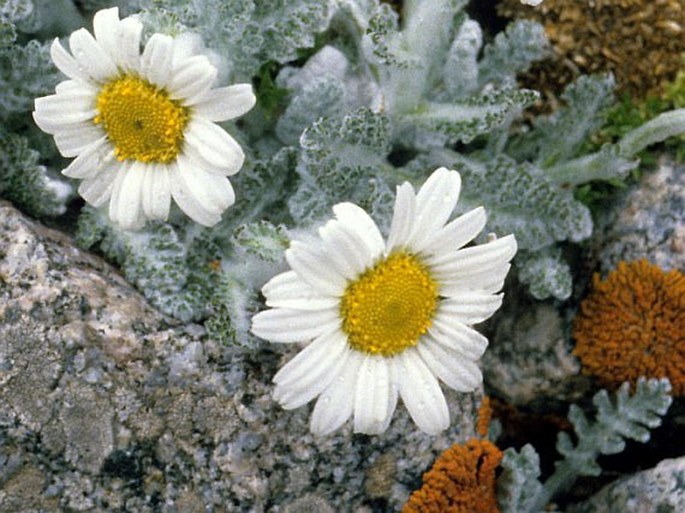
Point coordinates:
[[11, 13], [26, 72], [25, 182], [248, 33], [513, 51], [525, 202], [625, 416], [339, 161], [546, 273]]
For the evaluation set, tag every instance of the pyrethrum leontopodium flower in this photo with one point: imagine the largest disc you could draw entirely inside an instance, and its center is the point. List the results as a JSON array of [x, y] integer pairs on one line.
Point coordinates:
[[142, 125], [386, 318]]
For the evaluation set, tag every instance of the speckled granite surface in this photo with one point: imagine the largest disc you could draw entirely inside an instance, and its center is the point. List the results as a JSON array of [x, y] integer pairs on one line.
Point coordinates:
[[105, 405]]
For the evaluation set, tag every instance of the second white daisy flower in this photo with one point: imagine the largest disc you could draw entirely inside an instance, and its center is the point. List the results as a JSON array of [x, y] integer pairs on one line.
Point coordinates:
[[142, 126], [386, 318]]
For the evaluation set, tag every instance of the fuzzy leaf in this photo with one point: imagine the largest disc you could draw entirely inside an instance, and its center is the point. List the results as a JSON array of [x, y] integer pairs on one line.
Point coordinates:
[[25, 182], [26, 72], [381, 38], [12, 12], [261, 185], [249, 32], [605, 164], [546, 273], [628, 416], [512, 52], [665, 125], [518, 486], [520, 199], [616, 160], [323, 97], [461, 68], [338, 155], [261, 239], [441, 124], [233, 305]]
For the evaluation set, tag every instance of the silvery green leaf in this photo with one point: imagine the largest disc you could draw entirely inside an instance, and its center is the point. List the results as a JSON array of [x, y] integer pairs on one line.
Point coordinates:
[[513, 51]]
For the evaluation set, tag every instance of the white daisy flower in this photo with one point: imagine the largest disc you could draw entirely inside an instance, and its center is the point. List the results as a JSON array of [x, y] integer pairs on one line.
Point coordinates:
[[386, 318], [142, 125]]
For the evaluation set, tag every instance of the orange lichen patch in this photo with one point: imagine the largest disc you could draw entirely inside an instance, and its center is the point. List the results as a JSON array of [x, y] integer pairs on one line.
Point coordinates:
[[633, 324], [639, 41], [484, 416], [462, 480]]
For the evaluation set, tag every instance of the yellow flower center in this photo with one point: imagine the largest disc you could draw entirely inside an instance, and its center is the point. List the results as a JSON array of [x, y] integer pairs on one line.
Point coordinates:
[[389, 307], [141, 121]]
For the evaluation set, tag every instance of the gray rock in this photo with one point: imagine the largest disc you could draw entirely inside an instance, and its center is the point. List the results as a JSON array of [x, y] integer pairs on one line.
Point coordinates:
[[107, 405], [657, 490], [529, 361], [649, 222]]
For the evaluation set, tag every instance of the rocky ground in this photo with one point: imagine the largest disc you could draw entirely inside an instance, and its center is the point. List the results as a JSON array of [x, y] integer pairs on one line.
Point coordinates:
[[107, 405]]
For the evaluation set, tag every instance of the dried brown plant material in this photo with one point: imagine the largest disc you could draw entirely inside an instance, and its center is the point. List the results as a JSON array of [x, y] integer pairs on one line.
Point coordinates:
[[639, 41]]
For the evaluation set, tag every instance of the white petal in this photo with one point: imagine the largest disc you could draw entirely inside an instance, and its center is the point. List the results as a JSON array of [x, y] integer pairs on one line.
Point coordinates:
[[128, 44], [191, 79], [392, 396], [454, 370], [191, 197], [435, 202], [91, 160], [188, 203], [456, 233], [156, 194], [336, 403], [125, 206], [211, 143], [421, 393], [287, 290], [359, 222], [288, 325], [77, 88], [98, 189], [224, 103], [346, 250], [215, 191], [156, 62], [54, 113], [473, 259], [75, 139], [313, 266], [66, 63], [489, 280], [372, 396], [471, 307], [311, 371], [403, 217], [91, 57], [105, 27], [457, 336]]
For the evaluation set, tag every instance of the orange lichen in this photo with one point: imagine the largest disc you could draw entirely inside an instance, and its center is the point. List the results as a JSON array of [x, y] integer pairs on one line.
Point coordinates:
[[633, 324], [484, 416], [462, 480]]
